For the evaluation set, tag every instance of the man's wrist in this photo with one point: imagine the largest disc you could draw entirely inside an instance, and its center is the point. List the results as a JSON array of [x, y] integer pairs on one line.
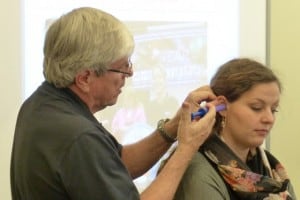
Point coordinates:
[[161, 129]]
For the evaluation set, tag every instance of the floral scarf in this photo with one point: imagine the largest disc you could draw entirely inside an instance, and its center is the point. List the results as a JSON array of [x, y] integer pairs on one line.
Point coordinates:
[[262, 177]]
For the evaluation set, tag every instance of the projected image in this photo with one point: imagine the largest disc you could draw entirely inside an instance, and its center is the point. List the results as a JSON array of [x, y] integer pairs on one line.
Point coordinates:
[[169, 61]]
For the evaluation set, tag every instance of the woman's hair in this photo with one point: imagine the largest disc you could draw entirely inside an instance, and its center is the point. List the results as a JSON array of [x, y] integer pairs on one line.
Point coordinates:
[[238, 76], [85, 38]]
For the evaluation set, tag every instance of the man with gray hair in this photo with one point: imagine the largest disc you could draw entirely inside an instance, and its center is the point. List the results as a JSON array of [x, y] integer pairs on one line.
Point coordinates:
[[62, 152]]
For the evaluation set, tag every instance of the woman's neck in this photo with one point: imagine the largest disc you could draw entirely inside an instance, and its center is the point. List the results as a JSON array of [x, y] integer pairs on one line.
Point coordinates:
[[241, 152]]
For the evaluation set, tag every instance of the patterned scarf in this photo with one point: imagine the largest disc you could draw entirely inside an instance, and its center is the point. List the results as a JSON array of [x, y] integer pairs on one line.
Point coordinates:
[[262, 177]]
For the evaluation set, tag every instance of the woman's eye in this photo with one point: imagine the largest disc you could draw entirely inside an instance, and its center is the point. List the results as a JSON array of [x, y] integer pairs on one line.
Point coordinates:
[[256, 108], [274, 110]]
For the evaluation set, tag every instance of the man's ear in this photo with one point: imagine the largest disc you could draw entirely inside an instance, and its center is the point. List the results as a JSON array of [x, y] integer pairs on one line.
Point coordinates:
[[82, 80]]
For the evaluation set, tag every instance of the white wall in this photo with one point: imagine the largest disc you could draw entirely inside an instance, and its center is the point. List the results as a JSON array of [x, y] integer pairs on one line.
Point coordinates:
[[10, 86]]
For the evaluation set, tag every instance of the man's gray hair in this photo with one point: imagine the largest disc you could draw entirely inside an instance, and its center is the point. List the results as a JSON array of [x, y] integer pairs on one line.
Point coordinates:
[[85, 38]]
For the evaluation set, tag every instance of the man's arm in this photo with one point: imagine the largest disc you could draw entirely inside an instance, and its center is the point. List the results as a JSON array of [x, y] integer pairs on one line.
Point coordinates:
[[140, 156]]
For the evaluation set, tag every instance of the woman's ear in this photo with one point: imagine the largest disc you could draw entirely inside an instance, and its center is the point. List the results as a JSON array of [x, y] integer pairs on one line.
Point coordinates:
[[222, 100]]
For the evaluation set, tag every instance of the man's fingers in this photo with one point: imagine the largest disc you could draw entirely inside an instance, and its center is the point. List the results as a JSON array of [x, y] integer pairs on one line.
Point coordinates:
[[200, 94], [186, 113]]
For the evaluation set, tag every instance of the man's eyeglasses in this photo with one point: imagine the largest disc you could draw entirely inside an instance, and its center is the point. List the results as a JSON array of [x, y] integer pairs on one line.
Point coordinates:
[[128, 72]]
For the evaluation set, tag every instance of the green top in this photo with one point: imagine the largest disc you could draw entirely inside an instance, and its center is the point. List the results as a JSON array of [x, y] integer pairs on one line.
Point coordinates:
[[201, 181]]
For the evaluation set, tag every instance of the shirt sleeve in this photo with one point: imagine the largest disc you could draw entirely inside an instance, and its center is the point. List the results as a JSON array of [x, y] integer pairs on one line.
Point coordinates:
[[92, 169]]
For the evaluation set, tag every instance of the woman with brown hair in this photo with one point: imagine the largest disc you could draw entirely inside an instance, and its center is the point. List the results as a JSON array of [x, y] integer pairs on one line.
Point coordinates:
[[232, 164]]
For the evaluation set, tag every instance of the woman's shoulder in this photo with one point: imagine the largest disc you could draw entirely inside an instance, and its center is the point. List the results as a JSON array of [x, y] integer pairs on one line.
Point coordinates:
[[201, 167], [201, 179]]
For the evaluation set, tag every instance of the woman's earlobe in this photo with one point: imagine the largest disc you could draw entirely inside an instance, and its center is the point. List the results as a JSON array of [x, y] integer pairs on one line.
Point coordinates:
[[222, 100]]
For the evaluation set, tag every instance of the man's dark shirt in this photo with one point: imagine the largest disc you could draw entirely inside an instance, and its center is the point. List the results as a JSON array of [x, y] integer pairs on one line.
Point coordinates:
[[60, 152]]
